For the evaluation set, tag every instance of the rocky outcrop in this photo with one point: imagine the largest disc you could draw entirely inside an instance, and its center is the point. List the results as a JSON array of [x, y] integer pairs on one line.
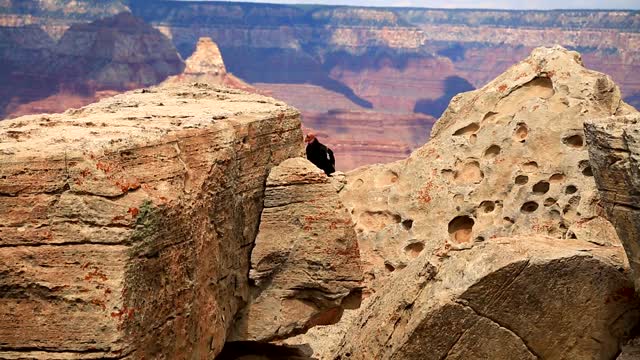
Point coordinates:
[[206, 66], [126, 226], [614, 149], [507, 159], [508, 298], [305, 264]]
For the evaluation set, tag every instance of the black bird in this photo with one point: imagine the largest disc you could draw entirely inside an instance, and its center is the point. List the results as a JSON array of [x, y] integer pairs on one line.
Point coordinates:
[[320, 155]]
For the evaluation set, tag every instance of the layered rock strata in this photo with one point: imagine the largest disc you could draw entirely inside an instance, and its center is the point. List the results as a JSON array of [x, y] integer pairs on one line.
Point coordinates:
[[305, 264], [507, 159], [508, 298], [126, 226], [614, 149]]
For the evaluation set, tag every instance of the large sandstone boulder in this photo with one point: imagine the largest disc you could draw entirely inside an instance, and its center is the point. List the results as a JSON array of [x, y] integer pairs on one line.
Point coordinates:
[[507, 159], [529, 297], [305, 265], [614, 149], [126, 226]]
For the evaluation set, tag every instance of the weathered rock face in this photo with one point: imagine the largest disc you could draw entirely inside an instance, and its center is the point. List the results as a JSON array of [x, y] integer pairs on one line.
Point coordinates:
[[504, 160], [127, 225], [507, 298], [305, 265], [206, 66], [614, 149]]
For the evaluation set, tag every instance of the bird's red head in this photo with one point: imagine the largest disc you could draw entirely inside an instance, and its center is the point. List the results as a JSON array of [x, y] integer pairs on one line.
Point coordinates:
[[309, 138]]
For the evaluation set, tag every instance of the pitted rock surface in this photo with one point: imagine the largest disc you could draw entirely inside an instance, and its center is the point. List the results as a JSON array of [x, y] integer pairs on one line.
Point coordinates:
[[305, 265], [126, 226], [507, 159]]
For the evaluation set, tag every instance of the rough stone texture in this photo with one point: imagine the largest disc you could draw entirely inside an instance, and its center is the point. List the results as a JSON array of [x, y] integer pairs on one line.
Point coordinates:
[[305, 265], [126, 226], [614, 149], [206, 66], [507, 159], [507, 298]]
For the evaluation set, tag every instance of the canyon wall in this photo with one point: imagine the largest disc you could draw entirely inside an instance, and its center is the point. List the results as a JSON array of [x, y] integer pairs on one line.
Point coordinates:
[[392, 64]]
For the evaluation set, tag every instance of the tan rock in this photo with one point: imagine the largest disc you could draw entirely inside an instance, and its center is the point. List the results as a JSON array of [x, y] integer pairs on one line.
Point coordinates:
[[528, 297], [305, 265], [614, 149], [126, 226], [507, 159]]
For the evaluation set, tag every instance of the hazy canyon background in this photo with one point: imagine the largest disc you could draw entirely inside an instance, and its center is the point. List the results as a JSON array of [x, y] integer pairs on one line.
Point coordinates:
[[370, 81]]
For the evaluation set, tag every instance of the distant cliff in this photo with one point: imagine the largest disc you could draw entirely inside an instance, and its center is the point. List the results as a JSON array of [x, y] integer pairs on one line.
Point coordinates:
[[389, 63]]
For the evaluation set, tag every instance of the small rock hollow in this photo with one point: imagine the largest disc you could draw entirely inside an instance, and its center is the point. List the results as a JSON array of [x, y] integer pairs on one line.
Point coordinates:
[[407, 224], [530, 166], [521, 133], [414, 249], [389, 267], [575, 141], [461, 228], [571, 189], [469, 173], [541, 187], [492, 151], [521, 179], [557, 178], [467, 130], [585, 168], [488, 206], [549, 201], [489, 117], [529, 207]]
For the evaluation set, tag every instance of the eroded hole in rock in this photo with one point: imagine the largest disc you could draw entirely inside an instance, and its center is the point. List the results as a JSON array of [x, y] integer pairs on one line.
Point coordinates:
[[541, 187], [390, 268], [508, 221], [407, 224], [461, 228], [490, 116], [467, 130], [529, 207], [488, 206], [414, 249], [521, 179], [571, 189], [541, 87], [575, 141], [470, 173], [458, 198], [492, 151], [358, 183], [585, 168], [549, 201], [530, 166], [557, 178], [473, 139], [479, 239], [521, 132]]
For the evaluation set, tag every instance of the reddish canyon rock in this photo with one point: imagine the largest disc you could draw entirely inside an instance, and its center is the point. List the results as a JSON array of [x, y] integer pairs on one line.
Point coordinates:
[[126, 226], [305, 264]]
